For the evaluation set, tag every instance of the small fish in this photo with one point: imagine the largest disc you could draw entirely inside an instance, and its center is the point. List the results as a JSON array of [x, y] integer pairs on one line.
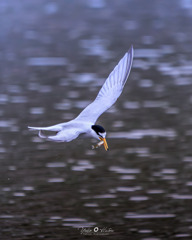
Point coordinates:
[[97, 145]]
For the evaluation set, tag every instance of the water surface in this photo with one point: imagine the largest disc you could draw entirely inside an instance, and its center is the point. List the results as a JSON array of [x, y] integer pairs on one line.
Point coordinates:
[[52, 65]]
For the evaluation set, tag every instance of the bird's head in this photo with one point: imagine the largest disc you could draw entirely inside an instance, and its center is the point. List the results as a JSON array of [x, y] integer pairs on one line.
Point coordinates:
[[100, 133]]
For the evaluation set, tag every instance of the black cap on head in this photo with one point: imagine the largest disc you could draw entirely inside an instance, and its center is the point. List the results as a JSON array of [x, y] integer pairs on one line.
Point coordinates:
[[98, 129]]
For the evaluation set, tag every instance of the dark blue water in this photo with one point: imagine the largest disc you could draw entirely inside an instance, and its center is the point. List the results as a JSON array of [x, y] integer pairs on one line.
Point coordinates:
[[54, 57]]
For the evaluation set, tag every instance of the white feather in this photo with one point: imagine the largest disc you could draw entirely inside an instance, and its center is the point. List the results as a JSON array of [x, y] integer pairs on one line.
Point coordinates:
[[107, 96], [110, 91]]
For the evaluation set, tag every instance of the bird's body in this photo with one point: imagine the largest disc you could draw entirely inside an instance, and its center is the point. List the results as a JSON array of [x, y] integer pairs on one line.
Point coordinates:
[[66, 132], [84, 123]]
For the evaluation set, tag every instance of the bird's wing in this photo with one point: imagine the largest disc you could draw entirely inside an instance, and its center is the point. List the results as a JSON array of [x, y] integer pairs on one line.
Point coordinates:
[[110, 91], [54, 128], [65, 136]]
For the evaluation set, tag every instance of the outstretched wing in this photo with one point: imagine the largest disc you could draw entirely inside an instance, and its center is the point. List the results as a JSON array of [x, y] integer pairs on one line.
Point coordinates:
[[110, 91]]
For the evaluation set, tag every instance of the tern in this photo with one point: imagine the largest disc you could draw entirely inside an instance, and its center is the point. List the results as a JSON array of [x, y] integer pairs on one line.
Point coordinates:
[[84, 124]]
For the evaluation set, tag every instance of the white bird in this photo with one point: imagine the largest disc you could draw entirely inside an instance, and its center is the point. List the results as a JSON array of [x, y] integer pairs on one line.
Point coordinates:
[[84, 123]]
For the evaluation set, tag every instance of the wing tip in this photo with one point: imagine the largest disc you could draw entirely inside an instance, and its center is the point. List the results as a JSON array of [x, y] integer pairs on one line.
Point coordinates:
[[130, 52], [32, 128]]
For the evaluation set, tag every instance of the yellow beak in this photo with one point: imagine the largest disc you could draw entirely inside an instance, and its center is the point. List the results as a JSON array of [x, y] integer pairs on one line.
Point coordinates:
[[104, 143]]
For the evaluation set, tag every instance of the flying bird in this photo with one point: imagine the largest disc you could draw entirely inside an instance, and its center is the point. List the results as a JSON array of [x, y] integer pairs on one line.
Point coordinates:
[[84, 124]]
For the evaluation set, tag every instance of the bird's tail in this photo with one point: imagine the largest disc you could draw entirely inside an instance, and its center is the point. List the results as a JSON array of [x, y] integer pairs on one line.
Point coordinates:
[[53, 138], [47, 137], [41, 135], [55, 128]]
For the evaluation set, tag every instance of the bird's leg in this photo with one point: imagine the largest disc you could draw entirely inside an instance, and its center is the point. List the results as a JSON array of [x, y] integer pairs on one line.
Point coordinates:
[[97, 145]]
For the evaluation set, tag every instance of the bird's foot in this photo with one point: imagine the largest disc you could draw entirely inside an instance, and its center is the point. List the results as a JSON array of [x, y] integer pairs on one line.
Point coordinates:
[[97, 145]]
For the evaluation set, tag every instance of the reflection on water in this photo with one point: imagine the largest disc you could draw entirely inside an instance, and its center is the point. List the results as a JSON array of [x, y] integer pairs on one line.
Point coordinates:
[[53, 63], [141, 133], [153, 216], [48, 61]]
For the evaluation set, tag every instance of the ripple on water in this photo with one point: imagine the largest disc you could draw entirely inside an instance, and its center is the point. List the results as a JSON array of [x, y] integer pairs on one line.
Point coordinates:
[[104, 196], [43, 146], [83, 165], [65, 105], [55, 165], [79, 225], [141, 152], [155, 191], [3, 150], [149, 216], [166, 174], [151, 238], [46, 61], [131, 105], [28, 188], [187, 159], [183, 235], [84, 77], [145, 83], [127, 177], [148, 53], [19, 194], [128, 189], [172, 110], [54, 218], [84, 162], [14, 88], [12, 168], [181, 196], [168, 49], [169, 171], [68, 116], [81, 168], [182, 81], [96, 47], [74, 220], [168, 177], [37, 110], [6, 189], [37, 139], [6, 216], [155, 104], [189, 183], [77, 222], [4, 98], [7, 123], [121, 170], [141, 64], [145, 231], [56, 180], [33, 86], [18, 99], [167, 69], [45, 89], [138, 198], [90, 152], [73, 94], [96, 4], [118, 124], [140, 133], [91, 205], [82, 104]]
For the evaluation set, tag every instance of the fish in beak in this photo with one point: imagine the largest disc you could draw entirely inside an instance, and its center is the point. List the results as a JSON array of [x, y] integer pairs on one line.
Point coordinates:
[[104, 143]]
